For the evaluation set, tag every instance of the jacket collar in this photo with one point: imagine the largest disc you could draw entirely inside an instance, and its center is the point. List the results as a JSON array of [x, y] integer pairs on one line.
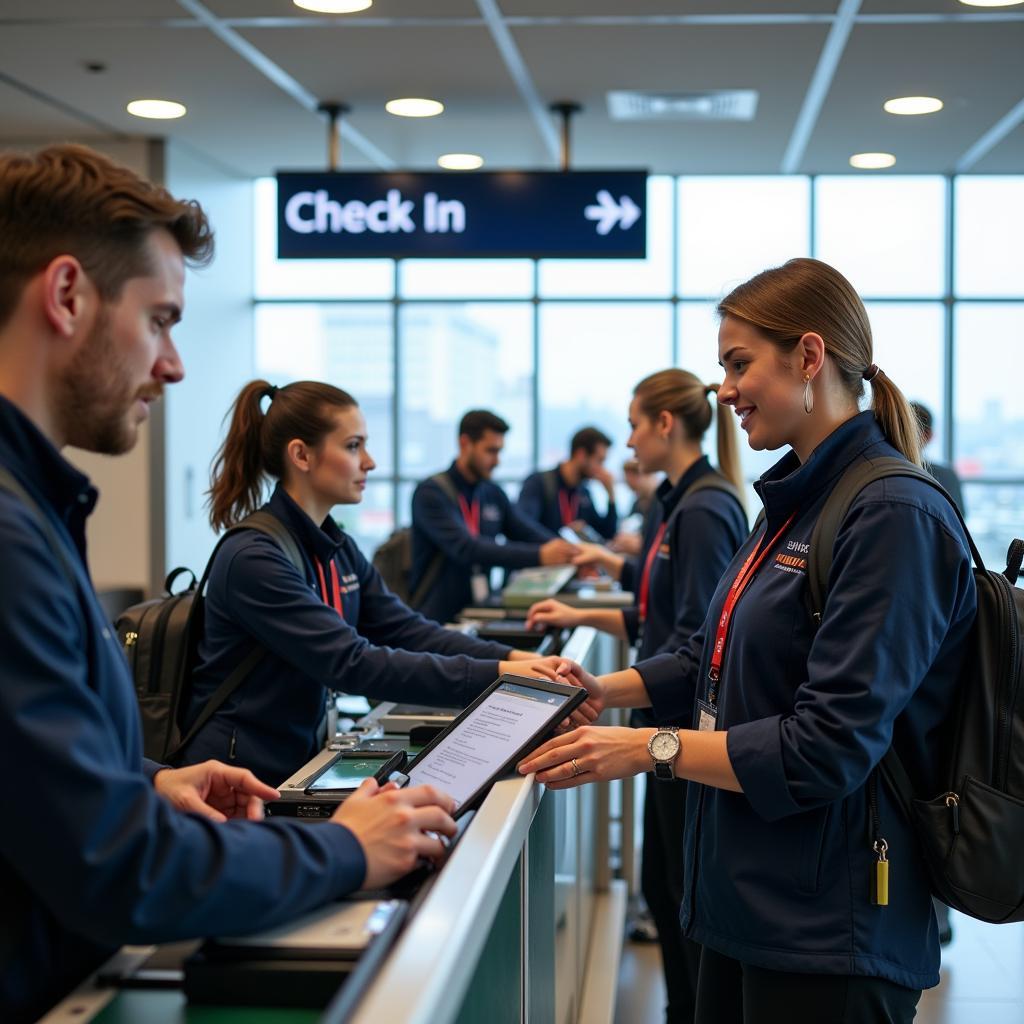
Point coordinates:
[[44, 472], [321, 541], [789, 486], [460, 481], [670, 496]]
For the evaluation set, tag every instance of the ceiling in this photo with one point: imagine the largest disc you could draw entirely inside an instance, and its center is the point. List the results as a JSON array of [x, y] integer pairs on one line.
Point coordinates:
[[252, 71]]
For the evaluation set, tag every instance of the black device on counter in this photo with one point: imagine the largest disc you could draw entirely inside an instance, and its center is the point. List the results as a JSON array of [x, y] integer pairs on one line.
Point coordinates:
[[513, 716], [514, 633]]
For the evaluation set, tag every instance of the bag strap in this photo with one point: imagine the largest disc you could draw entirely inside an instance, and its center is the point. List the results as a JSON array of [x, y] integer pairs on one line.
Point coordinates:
[[549, 481], [416, 598], [713, 481]]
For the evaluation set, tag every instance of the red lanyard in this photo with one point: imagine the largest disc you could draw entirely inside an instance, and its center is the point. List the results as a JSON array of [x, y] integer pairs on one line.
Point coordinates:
[[743, 577], [471, 515], [334, 600], [645, 578], [569, 506]]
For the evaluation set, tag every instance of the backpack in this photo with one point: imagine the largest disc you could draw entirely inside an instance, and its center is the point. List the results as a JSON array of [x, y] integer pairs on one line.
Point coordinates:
[[161, 638], [393, 559], [972, 833]]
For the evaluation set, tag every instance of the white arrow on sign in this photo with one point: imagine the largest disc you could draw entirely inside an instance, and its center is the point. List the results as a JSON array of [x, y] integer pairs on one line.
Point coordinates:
[[607, 212]]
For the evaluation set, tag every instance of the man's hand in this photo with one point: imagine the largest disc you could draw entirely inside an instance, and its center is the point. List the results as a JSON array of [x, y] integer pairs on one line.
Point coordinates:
[[627, 543], [545, 667], [550, 612], [607, 481], [557, 552], [597, 554], [215, 790], [395, 827]]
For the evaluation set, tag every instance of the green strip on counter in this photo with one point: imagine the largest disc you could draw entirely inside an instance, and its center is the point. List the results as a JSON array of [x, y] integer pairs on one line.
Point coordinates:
[[171, 1008]]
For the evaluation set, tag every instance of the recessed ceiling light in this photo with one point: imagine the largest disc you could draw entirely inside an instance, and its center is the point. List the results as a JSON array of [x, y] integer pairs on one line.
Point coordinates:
[[414, 107], [161, 110], [333, 6], [912, 105], [992, 3], [460, 161], [872, 161]]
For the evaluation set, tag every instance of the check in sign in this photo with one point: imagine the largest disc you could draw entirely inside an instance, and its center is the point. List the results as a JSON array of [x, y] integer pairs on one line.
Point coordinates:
[[571, 214]]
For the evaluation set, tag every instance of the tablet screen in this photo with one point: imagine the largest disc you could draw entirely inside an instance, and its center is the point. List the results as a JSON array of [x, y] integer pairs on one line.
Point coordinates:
[[479, 745], [345, 773]]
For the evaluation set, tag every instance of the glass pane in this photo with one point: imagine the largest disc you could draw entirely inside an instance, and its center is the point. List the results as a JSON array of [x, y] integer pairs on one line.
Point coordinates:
[[314, 279], [989, 227], [994, 516], [369, 522], [887, 235], [909, 342], [347, 345], [649, 278], [989, 340], [461, 356], [591, 356], [731, 228], [465, 279]]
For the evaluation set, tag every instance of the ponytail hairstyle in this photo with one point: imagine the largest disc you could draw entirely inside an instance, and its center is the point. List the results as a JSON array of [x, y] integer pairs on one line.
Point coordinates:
[[256, 441], [785, 303], [686, 398]]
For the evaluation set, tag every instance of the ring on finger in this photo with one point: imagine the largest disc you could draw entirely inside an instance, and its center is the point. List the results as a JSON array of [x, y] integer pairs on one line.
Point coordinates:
[[576, 769]]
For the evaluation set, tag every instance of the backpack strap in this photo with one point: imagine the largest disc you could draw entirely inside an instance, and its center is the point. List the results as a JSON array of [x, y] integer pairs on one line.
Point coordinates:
[[417, 597], [549, 480], [716, 482]]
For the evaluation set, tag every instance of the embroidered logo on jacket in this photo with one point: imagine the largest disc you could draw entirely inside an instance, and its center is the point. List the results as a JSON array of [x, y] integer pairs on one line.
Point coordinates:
[[791, 563]]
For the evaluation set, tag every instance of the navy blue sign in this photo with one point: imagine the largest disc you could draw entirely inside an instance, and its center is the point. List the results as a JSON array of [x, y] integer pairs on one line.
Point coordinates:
[[573, 214]]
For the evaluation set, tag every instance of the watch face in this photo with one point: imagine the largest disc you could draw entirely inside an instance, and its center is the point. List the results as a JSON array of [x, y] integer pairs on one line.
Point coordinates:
[[665, 745]]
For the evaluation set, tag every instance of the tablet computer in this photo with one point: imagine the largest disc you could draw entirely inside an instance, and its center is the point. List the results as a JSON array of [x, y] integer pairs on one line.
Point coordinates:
[[510, 718]]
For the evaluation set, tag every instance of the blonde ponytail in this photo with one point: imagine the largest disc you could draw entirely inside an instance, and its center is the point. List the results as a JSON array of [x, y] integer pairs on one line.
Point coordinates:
[[728, 447]]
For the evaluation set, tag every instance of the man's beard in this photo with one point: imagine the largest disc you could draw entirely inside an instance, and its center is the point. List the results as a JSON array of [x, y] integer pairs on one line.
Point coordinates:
[[96, 397]]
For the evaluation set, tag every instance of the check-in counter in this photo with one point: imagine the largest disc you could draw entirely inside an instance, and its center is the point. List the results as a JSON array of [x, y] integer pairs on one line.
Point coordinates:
[[522, 923]]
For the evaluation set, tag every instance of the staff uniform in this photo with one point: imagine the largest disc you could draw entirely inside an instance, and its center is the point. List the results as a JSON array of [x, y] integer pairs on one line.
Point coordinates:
[[324, 627], [465, 532], [547, 499], [778, 876], [688, 543], [91, 856]]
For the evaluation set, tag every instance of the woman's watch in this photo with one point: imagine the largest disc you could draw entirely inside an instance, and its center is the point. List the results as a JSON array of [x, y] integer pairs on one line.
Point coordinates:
[[663, 747]]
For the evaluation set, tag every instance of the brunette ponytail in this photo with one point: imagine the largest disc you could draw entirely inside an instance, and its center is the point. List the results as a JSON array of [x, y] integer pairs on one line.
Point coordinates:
[[728, 448], [255, 445]]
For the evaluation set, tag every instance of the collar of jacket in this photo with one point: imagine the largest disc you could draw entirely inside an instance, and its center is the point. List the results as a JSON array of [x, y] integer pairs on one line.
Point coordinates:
[[44, 472], [461, 482], [321, 541], [789, 486], [670, 496]]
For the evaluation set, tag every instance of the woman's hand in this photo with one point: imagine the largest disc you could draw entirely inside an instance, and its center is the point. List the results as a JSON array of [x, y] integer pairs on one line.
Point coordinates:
[[550, 612], [590, 754], [217, 791], [563, 670], [597, 555]]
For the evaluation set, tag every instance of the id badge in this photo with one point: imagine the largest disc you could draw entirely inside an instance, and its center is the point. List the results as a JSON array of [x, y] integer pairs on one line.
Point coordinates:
[[707, 716], [480, 587]]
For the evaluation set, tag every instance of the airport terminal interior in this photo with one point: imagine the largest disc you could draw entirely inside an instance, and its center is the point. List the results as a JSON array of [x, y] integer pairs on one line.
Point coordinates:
[[529, 207]]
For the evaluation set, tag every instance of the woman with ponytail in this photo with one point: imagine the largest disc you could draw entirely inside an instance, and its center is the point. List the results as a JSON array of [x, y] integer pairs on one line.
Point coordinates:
[[694, 528], [803, 879], [323, 627]]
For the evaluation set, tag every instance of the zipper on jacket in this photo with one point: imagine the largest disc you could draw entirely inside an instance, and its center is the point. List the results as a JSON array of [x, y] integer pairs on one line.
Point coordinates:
[[880, 874]]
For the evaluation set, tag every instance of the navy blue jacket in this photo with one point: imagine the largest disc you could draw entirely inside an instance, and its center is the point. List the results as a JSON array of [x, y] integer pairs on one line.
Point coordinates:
[[437, 525], [540, 501], [778, 875], [704, 531], [91, 856], [271, 723]]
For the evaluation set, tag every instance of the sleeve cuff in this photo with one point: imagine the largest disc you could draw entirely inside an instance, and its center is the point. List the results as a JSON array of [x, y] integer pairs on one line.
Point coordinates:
[[631, 620], [150, 768], [627, 577], [661, 680], [755, 751], [347, 858]]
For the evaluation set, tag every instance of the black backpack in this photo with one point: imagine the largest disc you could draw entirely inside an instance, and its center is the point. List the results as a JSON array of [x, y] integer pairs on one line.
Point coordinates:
[[161, 638], [393, 559], [971, 834]]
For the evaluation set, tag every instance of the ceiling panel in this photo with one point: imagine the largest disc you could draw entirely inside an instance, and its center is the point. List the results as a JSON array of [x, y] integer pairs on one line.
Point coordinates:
[[380, 9], [641, 8], [24, 117], [90, 10]]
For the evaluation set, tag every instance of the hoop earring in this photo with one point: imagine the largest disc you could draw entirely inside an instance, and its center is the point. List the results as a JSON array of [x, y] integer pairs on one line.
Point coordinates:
[[808, 396]]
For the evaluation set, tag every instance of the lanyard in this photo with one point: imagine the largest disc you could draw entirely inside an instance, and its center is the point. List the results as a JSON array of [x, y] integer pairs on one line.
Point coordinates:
[[569, 506], [743, 577], [645, 578], [471, 515], [334, 600]]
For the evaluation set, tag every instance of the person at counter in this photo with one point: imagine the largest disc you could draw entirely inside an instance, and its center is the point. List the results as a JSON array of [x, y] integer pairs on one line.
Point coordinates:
[[560, 497], [456, 522], [334, 624], [786, 723], [690, 537], [629, 538], [101, 847]]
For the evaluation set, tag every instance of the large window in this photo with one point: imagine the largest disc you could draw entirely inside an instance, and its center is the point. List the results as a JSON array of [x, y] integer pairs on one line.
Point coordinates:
[[552, 345]]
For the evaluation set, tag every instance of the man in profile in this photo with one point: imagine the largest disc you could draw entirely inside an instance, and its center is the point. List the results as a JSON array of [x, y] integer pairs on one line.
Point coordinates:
[[457, 518], [560, 496], [100, 847]]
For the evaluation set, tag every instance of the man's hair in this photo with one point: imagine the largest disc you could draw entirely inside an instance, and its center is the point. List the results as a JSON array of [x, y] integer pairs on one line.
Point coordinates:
[[589, 439], [924, 417], [477, 421], [71, 200]]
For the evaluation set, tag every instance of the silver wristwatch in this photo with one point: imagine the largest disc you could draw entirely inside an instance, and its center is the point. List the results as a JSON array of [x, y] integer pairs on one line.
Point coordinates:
[[663, 747]]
